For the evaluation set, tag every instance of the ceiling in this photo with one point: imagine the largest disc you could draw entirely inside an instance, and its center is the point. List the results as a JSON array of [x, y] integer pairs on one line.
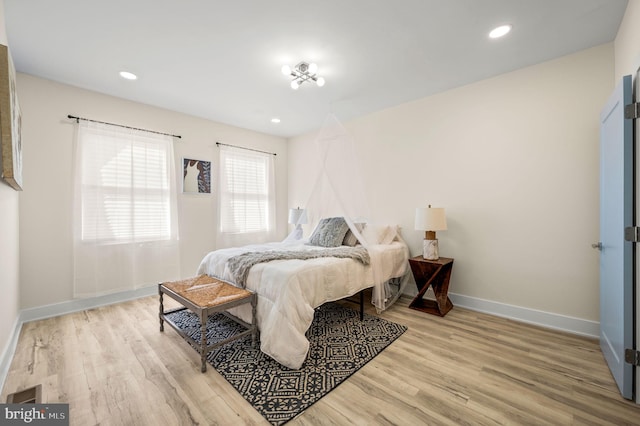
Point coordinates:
[[221, 60]]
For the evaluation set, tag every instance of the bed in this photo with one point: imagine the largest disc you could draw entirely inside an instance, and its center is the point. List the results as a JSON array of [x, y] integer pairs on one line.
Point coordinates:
[[289, 290]]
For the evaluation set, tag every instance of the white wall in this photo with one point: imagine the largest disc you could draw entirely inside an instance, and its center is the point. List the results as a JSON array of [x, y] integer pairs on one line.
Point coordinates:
[[514, 160], [9, 261], [627, 43], [45, 206]]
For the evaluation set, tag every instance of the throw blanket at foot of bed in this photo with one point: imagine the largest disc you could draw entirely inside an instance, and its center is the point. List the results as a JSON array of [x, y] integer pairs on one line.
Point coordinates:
[[240, 265]]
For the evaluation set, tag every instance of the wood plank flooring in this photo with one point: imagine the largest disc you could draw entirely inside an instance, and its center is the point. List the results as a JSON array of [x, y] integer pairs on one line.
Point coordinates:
[[114, 367]]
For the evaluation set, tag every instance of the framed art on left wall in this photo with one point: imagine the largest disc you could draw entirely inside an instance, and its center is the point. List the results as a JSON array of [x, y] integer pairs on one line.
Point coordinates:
[[10, 123]]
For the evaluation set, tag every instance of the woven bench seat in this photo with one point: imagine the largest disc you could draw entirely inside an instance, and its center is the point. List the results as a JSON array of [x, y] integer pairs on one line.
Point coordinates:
[[205, 295]]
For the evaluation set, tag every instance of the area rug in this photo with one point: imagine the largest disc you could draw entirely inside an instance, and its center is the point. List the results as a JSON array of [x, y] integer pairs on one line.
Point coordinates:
[[340, 344]]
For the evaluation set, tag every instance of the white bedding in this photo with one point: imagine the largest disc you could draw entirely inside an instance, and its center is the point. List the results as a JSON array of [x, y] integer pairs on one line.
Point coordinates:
[[289, 290]]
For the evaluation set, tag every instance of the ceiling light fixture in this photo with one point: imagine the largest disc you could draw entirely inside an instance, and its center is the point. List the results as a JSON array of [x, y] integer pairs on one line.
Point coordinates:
[[301, 73], [275, 120], [128, 75], [500, 31]]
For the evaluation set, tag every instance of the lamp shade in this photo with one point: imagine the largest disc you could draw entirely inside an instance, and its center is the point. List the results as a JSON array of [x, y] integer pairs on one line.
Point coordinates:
[[298, 216], [430, 219]]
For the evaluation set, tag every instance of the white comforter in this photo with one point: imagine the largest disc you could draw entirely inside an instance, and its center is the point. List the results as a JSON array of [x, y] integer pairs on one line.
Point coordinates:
[[289, 290]]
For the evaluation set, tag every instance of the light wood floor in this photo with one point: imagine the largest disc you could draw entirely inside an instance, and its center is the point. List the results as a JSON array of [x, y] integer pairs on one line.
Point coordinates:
[[114, 367]]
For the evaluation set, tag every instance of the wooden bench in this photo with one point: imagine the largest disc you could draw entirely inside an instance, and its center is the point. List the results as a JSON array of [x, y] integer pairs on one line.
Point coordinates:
[[204, 295]]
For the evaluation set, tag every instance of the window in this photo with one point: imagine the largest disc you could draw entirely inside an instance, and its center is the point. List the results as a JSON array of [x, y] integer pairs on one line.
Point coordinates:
[[125, 185], [247, 197]]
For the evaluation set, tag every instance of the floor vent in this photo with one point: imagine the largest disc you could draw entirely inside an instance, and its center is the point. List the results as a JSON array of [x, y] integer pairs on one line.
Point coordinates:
[[28, 396]]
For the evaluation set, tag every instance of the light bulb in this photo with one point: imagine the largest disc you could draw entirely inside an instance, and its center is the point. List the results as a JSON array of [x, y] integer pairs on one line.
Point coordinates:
[[320, 81], [313, 68], [286, 70], [295, 85]]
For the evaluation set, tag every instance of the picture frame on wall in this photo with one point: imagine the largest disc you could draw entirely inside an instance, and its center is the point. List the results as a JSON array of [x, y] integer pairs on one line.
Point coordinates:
[[10, 122], [196, 176]]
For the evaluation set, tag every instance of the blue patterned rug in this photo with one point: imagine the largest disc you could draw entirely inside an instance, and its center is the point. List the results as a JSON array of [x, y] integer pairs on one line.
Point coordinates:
[[340, 345]]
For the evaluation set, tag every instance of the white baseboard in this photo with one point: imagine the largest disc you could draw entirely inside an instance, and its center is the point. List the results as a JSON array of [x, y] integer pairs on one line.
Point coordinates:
[[9, 351], [531, 316], [48, 311]]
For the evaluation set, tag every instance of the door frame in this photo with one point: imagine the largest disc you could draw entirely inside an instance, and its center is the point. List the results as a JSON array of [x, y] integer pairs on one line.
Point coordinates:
[[635, 90]]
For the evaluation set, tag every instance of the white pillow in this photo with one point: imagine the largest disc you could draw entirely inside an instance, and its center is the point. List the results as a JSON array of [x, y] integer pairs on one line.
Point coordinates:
[[380, 234], [389, 235]]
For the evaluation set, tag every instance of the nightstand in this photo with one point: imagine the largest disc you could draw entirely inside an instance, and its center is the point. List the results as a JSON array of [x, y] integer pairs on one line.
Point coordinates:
[[434, 273]]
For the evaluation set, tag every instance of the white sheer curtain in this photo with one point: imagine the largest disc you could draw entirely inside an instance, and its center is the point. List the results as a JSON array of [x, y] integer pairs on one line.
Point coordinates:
[[125, 210], [339, 190], [247, 197]]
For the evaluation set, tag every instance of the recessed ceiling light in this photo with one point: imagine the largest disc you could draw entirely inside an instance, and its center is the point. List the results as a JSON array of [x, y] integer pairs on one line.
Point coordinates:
[[275, 120], [128, 75], [500, 31]]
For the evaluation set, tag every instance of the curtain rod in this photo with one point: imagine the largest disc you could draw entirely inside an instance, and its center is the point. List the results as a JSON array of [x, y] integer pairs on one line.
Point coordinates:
[[120, 125], [248, 149]]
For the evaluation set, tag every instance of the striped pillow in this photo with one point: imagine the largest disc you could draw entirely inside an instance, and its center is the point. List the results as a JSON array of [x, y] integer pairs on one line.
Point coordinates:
[[350, 238]]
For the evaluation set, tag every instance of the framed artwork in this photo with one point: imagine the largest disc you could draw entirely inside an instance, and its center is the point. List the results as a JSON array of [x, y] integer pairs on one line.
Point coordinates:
[[196, 176], [10, 123]]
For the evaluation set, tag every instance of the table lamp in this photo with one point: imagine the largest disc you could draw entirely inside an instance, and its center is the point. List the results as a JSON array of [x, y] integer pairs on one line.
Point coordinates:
[[297, 217], [430, 220]]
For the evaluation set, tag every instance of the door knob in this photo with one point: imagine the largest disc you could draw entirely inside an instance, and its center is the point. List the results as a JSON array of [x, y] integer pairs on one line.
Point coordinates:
[[597, 245]]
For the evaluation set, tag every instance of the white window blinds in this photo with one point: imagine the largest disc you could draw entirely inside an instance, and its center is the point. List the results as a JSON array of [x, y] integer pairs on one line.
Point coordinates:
[[125, 185], [247, 196]]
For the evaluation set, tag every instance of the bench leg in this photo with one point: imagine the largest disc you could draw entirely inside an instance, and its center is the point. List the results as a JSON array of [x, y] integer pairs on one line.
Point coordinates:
[[203, 342], [254, 322], [161, 313]]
